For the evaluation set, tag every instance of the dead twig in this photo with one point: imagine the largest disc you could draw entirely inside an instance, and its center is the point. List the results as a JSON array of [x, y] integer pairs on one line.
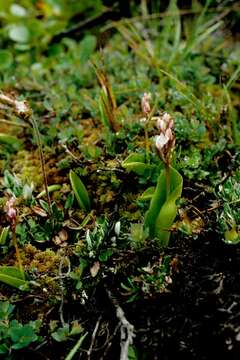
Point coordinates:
[[61, 277], [89, 352], [126, 329]]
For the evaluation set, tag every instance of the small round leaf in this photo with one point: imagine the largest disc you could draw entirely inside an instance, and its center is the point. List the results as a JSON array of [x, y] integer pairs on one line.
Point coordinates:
[[19, 33], [6, 59]]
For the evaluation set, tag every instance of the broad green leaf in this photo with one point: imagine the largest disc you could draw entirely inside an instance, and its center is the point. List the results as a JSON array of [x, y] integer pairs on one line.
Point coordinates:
[[162, 211], [136, 163], [22, 335], [80, 191], [6, 59], [12, 276]]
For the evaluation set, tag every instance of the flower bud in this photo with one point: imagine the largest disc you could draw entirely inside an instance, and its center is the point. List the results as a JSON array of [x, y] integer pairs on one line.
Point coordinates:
[[145, 103], [11, 210], [165, 140], [161, 141]]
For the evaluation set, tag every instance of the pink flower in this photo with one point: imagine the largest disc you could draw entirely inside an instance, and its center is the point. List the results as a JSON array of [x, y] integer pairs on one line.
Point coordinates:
[[165, 140], [11, 210], [161, 141], [145, 103]]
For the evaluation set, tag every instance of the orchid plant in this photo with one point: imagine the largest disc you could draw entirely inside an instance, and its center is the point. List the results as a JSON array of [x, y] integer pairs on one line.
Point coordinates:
[[162, 210]]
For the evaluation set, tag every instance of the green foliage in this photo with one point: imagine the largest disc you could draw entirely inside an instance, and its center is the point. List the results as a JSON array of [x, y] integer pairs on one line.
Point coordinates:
[[136, 162], [80, 191], [11, 142], [95, 240], [228, 214], [149, 280], [15, 186], [51, 188], [21, 335], [4, 235], [6, 59], [13, 276], [13, 334], [162, 211], [76, 347], [29, 25], [63, 333], [138, 235]]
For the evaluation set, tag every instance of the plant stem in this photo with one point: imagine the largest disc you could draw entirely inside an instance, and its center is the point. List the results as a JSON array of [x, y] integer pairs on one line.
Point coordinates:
[[167, 168], [14, 238], [39, 143], [147, 142]]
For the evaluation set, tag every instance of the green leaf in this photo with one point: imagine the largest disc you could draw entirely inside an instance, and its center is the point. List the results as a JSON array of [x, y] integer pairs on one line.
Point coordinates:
[[18, 33], [13, 276], [10, 141], [136, 163], [5, 310], [76, 347], [51, 188], [162, 211], [103, 116], [21, 335], [61, 334], [232, 236], [4, 234], [87, 47], [148, 194], [4, 349], [80, 191], [6, 59]]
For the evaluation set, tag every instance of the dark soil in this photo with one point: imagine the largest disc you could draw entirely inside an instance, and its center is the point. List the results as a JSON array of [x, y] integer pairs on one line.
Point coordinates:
[[199, 318]]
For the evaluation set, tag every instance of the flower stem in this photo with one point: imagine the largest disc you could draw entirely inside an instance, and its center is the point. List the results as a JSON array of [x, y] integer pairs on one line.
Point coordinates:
[[14, 239], [147, 142], [42, 161], [167, 168]]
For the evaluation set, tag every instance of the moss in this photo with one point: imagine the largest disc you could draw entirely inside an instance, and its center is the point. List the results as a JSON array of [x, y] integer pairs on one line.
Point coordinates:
[[41, 262], [26, 166]]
